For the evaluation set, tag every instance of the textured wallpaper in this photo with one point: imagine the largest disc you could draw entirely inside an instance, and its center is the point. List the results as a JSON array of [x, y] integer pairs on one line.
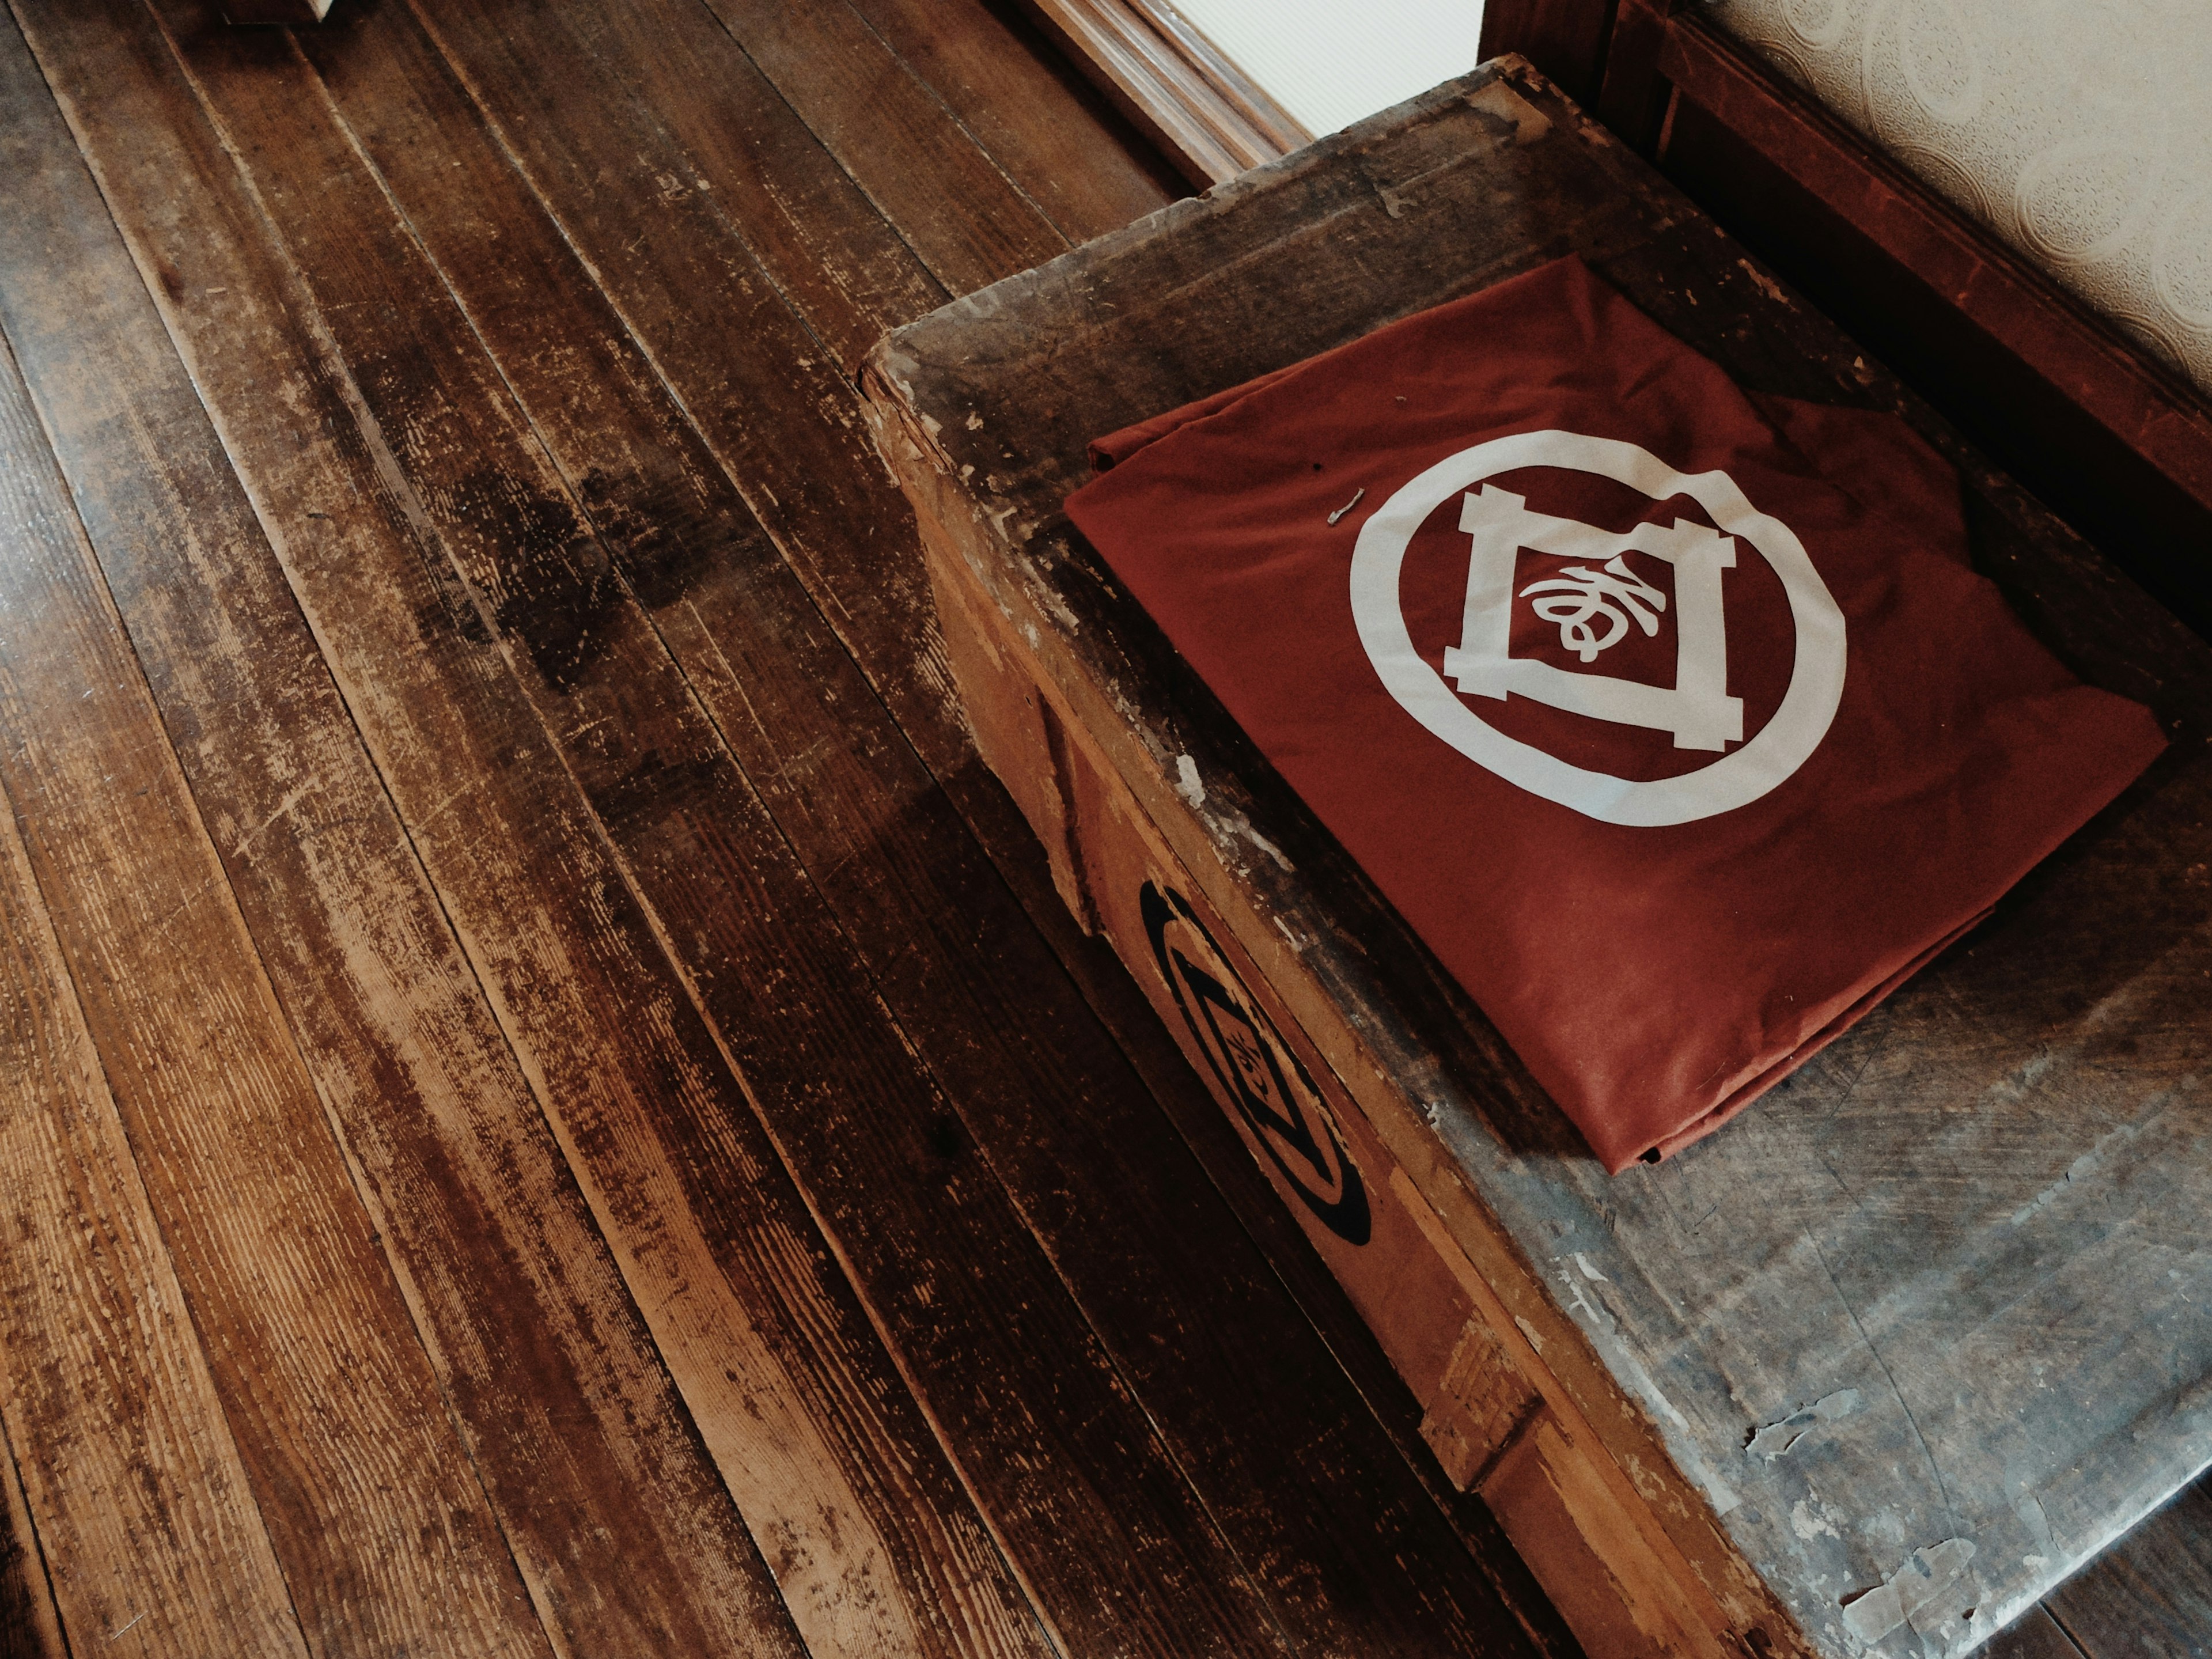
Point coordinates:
[[2078, 130]]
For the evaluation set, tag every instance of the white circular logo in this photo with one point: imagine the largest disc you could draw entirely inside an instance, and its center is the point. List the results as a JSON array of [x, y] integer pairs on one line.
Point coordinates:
[[1595, 604]]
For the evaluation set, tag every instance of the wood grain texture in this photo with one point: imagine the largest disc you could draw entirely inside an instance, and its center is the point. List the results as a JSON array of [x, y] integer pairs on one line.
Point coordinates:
[[385, 1535], [2036, 1635], [788, 999], [141, 1501], [1855, 1232], [815, 487], [974, 989], [652, 115], [2151, 1594], [1483, 1403], [664, 261], [830, 1460], [669, 258], [969, 222], [1610, 1592], [30, 1625], [1071, 152], [619, 1520], [666, 256], [136, 1476]]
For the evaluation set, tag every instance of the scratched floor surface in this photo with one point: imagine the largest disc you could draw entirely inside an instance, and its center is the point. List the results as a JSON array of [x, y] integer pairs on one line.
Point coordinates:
[[547, 1103]]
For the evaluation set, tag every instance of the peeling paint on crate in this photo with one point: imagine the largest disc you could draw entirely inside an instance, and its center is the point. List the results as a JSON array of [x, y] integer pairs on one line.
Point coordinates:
[[1809, 1523], [1188, 785], [1779, 1438], [1932, 1592]]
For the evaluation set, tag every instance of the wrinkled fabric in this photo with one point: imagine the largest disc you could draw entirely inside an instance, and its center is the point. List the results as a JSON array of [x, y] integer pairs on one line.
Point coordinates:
[[1656, 976]]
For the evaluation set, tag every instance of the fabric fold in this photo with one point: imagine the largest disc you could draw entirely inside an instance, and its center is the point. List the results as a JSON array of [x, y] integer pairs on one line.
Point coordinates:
[[1673, 719]]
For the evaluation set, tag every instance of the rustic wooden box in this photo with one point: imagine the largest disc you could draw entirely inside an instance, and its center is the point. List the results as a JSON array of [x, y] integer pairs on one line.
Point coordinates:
[[1877, 1365]]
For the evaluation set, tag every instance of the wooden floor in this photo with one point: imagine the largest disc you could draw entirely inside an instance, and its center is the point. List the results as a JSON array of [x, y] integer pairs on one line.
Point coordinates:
[[547, 1103]]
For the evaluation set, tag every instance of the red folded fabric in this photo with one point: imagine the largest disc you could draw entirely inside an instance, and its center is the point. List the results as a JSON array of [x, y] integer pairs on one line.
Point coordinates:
[[1674, 721]]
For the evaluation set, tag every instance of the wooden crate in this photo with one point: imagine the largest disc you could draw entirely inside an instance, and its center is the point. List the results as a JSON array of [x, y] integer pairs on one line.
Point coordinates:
[[1877, 1365]]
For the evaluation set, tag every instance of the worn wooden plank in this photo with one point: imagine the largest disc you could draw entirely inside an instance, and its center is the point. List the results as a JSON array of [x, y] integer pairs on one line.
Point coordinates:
[[811, 1042], [1720, 1310], [843, 527], [2150, 1594], [829, 1457], [1481, 1404], [670, 254], [2036, 1635], [971, 982], [618, 1518], [788, 998], [1072, 153], [138, 1487], [145, 1513], [665, 261], [384, 1533], [30, 1625], [967, 219], [652, 113]]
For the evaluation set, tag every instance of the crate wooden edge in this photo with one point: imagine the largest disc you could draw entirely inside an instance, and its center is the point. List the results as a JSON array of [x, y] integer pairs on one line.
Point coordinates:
[[965, 544]]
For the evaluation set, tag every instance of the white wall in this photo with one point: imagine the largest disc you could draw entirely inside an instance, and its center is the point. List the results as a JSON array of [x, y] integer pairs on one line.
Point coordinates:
[[1331, 62], [2079, 130]]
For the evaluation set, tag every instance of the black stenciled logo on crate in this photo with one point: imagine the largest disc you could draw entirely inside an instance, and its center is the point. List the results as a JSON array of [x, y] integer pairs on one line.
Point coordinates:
[[1257, 1070]]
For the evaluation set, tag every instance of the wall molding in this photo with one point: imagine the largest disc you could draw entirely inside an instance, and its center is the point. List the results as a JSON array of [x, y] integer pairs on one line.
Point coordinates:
[[1208, 117]]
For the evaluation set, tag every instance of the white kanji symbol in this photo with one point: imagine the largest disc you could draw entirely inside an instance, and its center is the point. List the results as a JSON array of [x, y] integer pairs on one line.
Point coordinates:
[[1697, 710], [1575, 596]]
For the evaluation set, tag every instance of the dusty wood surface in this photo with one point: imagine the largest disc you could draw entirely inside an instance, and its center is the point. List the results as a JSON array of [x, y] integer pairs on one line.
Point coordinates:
[[30, 1625], [133, 1479], [1083, 167], [618, 1518], [539, 666], [1971, 1218], [366, 1488]]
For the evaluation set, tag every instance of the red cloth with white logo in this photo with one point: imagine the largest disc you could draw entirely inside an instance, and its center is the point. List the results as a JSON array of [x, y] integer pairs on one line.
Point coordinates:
[[1674, 721]]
